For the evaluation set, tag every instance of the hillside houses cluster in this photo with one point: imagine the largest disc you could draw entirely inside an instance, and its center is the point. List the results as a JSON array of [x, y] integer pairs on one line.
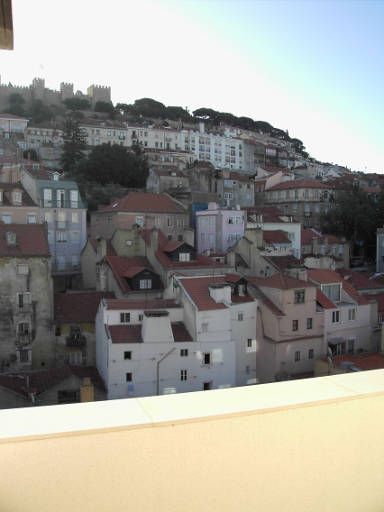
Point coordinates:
[[216, 275]]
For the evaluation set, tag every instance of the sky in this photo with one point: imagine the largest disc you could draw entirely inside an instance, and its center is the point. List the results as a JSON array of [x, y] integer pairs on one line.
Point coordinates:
[[314, 68]]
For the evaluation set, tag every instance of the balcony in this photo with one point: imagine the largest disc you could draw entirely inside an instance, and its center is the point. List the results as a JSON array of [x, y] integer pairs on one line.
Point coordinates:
[[296, 446], [53, 203]]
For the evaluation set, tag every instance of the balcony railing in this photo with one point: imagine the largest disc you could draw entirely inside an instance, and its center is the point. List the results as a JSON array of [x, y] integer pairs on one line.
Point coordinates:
[[54, 203]]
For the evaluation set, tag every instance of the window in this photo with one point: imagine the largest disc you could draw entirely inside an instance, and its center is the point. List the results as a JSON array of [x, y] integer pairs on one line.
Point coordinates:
[[60, 262], [23, 299], [24, 356], [48, 217], [332, 291], [60, 198], [297, 356], [47, 197], [75, 217], [75, 260], [335, 317], [128, 377], [184, 352], [6, 218], [61, 236], [141, 316], [183, 374], [351, 346], [207, 386], [249, 343], [240, 316], [204, 327], [31, 218], [310, 353], [127, 354], [352, 314], [125, 318], [309, 323], [75, 236], [295, 325], [22, 269], [74, 198], [139, 220], [299, 296], [169, 221], [145, 284], [184, 256], [207, 358]]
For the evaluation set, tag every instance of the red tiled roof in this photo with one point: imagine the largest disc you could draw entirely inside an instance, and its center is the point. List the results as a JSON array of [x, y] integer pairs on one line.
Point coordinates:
[[198, 289], [276, 237], [359, 280], [125, 333], [7, 188], [354, 294], [78, 307], [309, 234], [324, 276], [269, 213], [31, 240], [362, 361], [279, 281], [324, 301], [125, 304], [43, 380], [110, 250], [294, 184], [282, 263], [145, 202], [123, 267], [172, 245], [180, 332]]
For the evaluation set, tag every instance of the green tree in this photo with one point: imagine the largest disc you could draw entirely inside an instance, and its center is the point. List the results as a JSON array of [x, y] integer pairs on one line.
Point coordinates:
[[16, 105], [147, 107], [74, 146], [114, 164], [104, 106], [40, 112], [77, 104]]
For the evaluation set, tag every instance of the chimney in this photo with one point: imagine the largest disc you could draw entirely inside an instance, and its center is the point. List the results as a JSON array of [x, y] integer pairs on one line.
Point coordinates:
[[154, 239], [87, 391], [220, 293]]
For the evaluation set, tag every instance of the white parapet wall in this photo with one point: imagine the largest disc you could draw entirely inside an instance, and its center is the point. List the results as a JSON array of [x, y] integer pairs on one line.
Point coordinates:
[[305, 445]]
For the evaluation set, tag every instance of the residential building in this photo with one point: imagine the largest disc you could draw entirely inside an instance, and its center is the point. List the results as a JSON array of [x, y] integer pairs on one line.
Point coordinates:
[[324, 251], [350, 319], [37, 136], [305, 200], [218, 229], [143, 209], [11, 124], [290, 327], [54, 386], [219, 310], [26, 297], [16, 206], [234, 188], [62, 208], [380, 250], [168, 179], [94, 251], [271, 219], [144, 348], [74, 326]]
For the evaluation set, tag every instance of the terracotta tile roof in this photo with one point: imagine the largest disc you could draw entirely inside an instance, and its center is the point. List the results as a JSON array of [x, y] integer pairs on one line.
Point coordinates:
[[276, 237], [269, 213], [110, 250], [144, 305], [362, 361], [7, 188], [359, 280], [279, 281], [172, 245], [295, 184], [43, 380], [180, 332], [237, 176], [354, 294], [31, 240], [282, 263], [123, 267], [324, 301], [78, 307], [125, 333], [269, 304], [145, 202], [308, 235], [198, 289], [324, 276]]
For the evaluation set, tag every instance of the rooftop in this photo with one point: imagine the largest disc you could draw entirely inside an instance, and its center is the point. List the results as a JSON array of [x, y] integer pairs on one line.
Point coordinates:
[[294, 184], [78, 306], [279, 281], [31, 240], [126, 305], [144, 202]]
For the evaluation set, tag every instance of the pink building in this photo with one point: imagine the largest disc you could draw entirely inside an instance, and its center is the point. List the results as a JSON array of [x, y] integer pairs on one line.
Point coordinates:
[[218, 229]]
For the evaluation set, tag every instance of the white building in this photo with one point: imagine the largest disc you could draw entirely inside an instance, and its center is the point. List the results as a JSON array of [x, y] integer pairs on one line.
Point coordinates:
[[144, 348], [12, 124], [220, 312]]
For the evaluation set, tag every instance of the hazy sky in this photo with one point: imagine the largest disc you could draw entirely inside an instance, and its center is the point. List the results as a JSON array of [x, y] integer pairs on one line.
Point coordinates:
[[314, 68]]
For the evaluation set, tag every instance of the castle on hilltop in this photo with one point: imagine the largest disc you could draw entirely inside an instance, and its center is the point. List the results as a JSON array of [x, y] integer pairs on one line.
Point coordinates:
[[38, 91]]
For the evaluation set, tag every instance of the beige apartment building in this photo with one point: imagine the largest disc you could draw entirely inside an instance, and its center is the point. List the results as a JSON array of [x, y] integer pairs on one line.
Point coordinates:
[[16, 206], [290, 324]]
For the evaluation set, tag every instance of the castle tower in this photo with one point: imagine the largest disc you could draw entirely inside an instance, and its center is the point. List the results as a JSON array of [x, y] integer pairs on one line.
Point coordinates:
[[66, 91], [99, 93], [38, 88]]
